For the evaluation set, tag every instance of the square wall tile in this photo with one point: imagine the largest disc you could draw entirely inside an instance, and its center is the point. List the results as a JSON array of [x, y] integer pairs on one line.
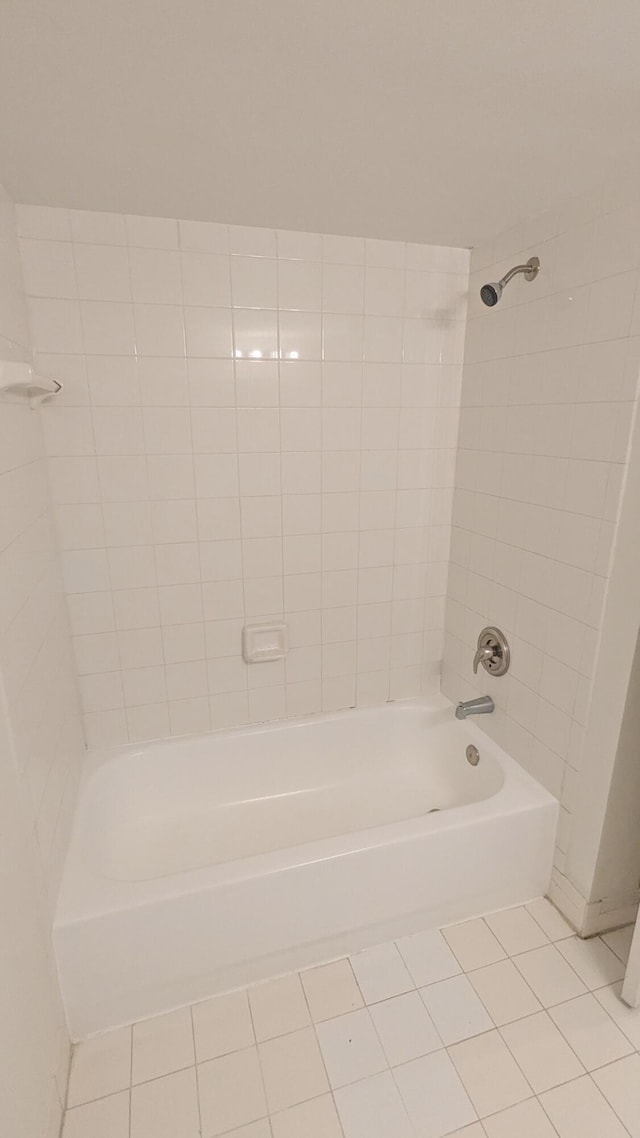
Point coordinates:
[[48, 269], [43, 222], [102, 272], [206, 280], [155, 276], [152, 232]]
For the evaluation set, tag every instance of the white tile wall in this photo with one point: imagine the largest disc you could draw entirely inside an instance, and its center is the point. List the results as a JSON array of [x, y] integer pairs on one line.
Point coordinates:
[[254, 425], [548, 395], [41, 742]]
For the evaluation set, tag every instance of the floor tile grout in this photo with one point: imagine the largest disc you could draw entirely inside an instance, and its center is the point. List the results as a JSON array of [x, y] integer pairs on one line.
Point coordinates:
[[315, 1033], [477, 926]]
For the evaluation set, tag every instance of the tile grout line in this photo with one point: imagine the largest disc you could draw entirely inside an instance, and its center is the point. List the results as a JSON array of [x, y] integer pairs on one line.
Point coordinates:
[[367, 1006], [195, 1065], [315, 1033], [130, 1078], [603, 1093], [259, 1058]]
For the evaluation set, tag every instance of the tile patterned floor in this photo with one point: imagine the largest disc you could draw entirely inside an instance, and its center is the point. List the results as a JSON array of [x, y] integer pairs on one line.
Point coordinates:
[[507, 1027]]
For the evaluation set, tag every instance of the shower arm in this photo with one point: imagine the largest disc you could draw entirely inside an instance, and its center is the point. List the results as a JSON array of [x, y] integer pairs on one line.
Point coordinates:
[[513, 272], [530, 271]]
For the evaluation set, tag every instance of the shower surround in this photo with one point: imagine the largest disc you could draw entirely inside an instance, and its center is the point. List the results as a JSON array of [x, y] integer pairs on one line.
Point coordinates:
[[262, 425], [255, 426]]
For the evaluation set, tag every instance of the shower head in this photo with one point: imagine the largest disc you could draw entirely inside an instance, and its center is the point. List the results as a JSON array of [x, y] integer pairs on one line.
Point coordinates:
[[490, 293]]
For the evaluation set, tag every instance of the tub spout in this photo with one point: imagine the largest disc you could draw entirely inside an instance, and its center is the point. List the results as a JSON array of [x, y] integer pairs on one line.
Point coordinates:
[[481, 706]]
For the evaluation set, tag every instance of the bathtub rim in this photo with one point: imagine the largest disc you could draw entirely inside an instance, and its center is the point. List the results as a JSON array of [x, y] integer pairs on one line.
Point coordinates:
[[99, 756]]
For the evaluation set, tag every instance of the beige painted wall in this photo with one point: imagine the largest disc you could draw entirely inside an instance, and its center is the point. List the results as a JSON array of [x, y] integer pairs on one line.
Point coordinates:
[[41, 747], [609, 759], [618, 867]]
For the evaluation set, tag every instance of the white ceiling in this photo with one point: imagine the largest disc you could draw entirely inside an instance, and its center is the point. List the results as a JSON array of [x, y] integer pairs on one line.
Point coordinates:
[[428, 120]]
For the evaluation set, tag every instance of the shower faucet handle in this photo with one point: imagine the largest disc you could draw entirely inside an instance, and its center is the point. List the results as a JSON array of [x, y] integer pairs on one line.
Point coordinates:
[[482, 654], [493, 652]]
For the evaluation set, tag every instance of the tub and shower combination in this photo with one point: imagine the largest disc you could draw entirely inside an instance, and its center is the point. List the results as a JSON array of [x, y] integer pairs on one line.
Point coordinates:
[[204, 864]]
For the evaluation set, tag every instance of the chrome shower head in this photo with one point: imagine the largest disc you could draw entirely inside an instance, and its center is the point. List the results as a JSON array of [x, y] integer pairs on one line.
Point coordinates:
[[490, 293]]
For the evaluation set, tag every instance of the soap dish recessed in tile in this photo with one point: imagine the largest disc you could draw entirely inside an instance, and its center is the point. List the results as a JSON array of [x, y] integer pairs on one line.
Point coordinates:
[[261, 642]]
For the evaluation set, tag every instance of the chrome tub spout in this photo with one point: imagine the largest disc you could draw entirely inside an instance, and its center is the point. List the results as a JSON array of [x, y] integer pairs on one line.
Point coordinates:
[[481, 706]]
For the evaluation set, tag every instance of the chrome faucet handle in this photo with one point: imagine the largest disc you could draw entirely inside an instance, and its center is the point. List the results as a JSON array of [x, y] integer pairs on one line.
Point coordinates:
[[493, 652], [482, 654]]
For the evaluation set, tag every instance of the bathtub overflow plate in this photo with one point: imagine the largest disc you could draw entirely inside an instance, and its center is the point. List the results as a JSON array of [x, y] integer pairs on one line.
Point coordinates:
[[473, 755]]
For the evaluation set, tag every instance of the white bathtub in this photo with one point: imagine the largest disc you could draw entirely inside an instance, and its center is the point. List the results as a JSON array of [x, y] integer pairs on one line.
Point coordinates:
[[202, 864]]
